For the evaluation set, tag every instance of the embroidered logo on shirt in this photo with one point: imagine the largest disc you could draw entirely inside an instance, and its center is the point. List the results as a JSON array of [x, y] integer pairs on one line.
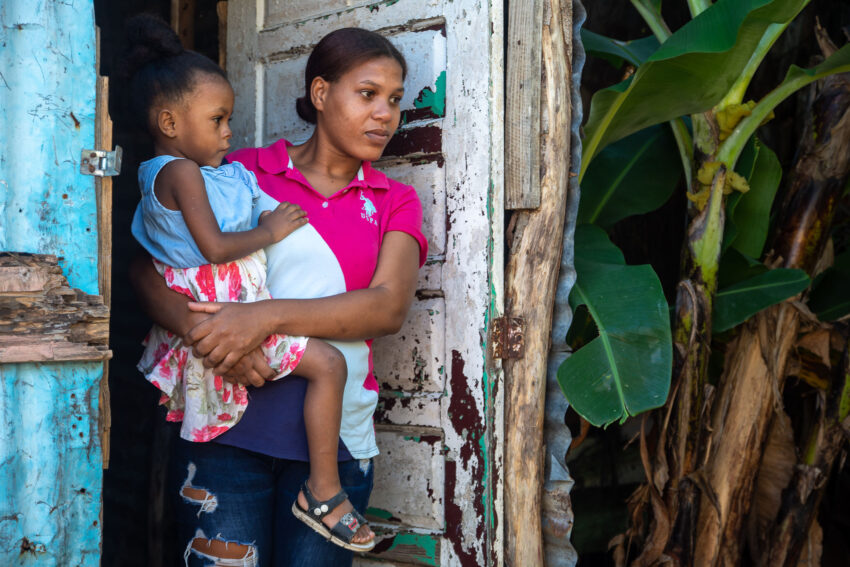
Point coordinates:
[[369, 209]]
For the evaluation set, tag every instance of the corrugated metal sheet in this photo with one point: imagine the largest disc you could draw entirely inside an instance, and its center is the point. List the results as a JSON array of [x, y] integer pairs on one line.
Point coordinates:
[[559, 551], [50, 475]]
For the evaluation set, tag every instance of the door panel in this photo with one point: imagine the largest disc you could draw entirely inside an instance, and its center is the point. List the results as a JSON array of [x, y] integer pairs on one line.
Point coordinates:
[[437, 495], [50, 444], [412, 360]]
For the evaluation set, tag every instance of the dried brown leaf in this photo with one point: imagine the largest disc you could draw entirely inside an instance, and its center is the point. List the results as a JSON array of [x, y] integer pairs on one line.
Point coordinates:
[[775, 472]]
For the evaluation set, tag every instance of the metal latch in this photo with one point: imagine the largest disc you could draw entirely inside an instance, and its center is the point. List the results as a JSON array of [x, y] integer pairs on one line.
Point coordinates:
[[101, 163], [508, 337]]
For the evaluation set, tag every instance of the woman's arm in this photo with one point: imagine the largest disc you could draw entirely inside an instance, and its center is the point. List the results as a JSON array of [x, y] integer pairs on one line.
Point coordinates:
[[180, 185], [168, 309], [380, 309]]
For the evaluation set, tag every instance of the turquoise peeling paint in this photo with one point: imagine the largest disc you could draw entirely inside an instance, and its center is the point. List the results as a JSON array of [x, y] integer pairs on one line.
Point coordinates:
[[50, 478], [435, 98], [47, 106], [50, 454]]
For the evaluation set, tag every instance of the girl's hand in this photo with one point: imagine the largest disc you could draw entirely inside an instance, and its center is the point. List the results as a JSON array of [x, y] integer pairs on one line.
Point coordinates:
[[282, 221], [234, 330], [250, 370]]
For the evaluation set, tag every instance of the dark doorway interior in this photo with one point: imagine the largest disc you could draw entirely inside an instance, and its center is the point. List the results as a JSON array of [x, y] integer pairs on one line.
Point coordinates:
[[135, 525]]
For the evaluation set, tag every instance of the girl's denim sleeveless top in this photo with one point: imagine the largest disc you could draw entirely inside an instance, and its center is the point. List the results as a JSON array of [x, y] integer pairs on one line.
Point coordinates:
[[232, 191]]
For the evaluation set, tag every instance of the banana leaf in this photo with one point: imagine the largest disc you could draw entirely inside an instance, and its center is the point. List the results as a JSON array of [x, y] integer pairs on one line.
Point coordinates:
[[795, 79], [615, 51], [690, 73], [749, 212], [736, 267], [737, 303], [632, 176], [830, 297], [626, 369]]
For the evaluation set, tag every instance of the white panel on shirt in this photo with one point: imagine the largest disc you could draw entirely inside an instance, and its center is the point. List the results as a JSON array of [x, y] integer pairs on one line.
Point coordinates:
[[302, 266]]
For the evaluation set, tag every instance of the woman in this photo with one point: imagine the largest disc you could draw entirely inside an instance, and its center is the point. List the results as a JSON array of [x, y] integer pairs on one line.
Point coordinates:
[[348, 277]]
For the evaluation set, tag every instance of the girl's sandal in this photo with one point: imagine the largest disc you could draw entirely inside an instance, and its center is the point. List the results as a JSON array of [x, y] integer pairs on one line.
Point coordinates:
[[344, 530]]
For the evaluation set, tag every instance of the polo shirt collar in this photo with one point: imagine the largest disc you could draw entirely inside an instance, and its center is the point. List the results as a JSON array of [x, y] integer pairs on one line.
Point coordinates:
[[275, 159]]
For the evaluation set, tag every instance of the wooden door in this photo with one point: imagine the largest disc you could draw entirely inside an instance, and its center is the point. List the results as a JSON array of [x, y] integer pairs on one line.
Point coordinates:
[[437, 485], [54, 278]]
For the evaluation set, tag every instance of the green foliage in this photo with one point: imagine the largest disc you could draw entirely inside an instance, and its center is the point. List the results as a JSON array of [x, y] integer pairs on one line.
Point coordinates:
[[795, 79], [690, 73], [830, 297], [626, 369], [750, 212], [622, 365], [630, 177], [615, 51], [737, 303]]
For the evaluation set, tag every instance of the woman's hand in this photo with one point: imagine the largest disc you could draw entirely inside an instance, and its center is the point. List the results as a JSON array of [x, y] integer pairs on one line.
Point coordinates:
[[250, 370], [234, 330]]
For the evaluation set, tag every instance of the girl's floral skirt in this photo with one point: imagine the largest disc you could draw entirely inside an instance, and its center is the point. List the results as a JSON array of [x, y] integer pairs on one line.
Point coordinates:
[[207, 405]]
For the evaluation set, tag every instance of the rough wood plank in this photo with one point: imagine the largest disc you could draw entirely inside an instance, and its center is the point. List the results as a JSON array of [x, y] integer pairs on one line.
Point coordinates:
[[103, 191], [183, 21], [41, 348], [221, 12], [53, 322], [530, 282], [522, 105]]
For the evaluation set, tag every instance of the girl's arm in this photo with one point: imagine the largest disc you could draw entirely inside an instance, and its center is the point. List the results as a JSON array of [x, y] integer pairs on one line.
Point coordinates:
[[180, 185], [237, 328], [169, 310]]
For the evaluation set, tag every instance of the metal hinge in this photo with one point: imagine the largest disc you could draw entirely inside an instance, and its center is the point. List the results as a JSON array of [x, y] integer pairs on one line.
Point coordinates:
[[101, 163], [508, 337]]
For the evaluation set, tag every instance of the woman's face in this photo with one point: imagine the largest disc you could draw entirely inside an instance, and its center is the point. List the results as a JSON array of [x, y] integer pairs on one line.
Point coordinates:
[[359, 112]]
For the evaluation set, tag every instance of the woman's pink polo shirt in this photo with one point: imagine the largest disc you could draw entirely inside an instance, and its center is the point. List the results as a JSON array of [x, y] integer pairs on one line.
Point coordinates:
[[336, 252]]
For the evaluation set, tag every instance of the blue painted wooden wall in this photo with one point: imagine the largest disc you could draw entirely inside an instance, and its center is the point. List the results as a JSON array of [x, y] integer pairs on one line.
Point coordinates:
[[50, 454]]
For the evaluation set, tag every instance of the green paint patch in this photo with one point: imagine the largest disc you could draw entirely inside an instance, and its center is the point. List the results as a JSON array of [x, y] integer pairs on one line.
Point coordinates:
[[379, 513], [434, 99], [411, 438], [425, 547]]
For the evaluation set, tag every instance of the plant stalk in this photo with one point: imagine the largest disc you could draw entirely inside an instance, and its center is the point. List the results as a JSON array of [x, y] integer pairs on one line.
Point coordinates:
[[754, 377], [653, 19], [697, 7], [685, 144], [731, 148], [739, 88]]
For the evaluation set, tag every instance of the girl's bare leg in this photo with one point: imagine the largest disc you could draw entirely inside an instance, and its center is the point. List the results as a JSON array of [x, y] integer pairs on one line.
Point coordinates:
[[324, 368]]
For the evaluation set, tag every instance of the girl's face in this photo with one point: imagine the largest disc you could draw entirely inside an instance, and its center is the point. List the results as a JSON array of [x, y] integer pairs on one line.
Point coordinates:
[[359, 112], [200, 128]]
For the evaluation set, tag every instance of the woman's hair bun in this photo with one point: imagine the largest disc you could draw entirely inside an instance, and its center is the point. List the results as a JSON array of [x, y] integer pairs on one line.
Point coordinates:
[[149, 38], [305, 109]]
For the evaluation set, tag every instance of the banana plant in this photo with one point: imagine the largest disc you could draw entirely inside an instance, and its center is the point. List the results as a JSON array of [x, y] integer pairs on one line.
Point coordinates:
[[681, 112]]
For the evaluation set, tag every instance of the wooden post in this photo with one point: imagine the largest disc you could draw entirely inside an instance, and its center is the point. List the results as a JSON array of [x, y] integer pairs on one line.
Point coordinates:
[[530, 282], [183, 21], [221, 12], [522, 105], [103, 192]]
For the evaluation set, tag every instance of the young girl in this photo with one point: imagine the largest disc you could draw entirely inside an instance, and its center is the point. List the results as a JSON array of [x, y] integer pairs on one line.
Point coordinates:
[[195, 220]]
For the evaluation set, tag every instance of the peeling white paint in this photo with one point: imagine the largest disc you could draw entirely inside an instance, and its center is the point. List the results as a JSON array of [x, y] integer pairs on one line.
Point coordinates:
[[435, 436]]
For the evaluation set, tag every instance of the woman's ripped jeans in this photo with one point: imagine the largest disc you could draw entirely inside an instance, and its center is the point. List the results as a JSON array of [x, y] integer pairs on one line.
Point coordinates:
[[233, 507]]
